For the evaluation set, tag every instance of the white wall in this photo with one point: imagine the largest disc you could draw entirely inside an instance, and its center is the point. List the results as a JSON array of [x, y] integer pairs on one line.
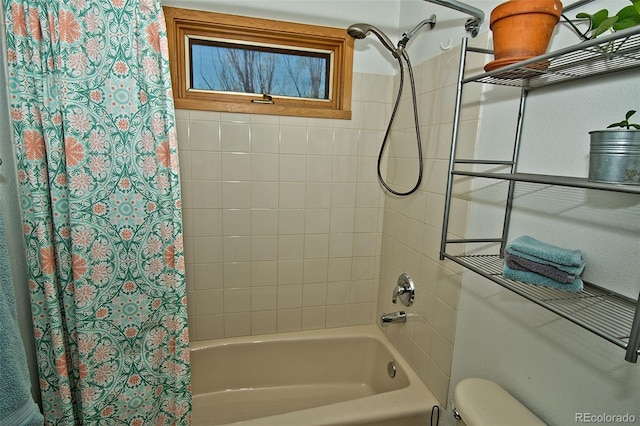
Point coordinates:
[[393, 17], [555, 367], [449, 29], [370, 56]]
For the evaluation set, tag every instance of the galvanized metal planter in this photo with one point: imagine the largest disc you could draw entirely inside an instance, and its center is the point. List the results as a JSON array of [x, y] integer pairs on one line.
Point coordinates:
[[615, 156]]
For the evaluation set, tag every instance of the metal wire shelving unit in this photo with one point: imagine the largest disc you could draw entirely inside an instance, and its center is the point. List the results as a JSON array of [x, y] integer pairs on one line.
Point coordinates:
[[605, 313]]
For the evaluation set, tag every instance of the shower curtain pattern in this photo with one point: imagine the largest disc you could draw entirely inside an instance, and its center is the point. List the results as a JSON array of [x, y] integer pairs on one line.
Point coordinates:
[[92, 111]]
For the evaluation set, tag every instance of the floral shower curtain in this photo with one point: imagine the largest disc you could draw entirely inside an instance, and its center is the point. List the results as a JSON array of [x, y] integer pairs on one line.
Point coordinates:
[[92, 111]]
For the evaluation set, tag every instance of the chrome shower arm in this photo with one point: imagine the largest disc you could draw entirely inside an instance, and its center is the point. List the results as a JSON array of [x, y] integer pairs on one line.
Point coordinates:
[[473, 24], [431, 21], [402, 44]]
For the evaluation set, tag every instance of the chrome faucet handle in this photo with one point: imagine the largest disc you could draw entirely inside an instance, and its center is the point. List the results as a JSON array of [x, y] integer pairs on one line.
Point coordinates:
[[397, 292], [405, 290]]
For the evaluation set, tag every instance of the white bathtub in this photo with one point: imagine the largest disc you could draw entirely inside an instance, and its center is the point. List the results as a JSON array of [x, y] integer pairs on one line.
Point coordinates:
[[322, 377]]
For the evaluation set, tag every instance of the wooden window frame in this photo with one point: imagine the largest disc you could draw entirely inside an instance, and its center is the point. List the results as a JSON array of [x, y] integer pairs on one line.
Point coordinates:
[[184, 23]]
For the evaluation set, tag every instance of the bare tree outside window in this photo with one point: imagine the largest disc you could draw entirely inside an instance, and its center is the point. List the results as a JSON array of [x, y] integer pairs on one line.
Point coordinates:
[[278, 72], [303, 67]]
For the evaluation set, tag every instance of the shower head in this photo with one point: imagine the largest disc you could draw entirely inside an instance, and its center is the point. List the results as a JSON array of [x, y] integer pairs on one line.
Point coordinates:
[[361, 30]]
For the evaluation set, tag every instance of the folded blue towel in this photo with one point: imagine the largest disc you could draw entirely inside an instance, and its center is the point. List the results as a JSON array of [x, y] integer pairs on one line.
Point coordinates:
[[537, 279], [17, 407], [567, 260]]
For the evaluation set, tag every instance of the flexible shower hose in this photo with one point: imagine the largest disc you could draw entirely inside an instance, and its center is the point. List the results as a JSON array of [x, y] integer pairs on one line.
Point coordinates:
[[416, 122]]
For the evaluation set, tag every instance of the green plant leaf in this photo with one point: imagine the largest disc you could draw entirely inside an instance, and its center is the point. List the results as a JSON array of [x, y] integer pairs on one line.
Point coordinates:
[[596, 19], [600, 22], [625, 123], [606, 25], [626, 23], [627, 12], [627, 17]]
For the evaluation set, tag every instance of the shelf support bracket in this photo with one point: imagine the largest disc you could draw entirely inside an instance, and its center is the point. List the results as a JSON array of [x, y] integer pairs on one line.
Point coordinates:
[[454, 142], [633, 348]]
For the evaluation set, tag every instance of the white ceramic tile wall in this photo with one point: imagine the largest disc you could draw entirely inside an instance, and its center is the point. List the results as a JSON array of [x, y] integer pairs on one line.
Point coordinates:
[[287, 228], [282, 217], [412, 225]]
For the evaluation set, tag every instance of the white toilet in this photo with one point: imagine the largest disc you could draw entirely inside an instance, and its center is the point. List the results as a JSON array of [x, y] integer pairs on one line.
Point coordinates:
[[481, 402]]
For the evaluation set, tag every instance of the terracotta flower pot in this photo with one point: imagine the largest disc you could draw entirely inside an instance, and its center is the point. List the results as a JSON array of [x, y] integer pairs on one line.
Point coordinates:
[[522, 29]]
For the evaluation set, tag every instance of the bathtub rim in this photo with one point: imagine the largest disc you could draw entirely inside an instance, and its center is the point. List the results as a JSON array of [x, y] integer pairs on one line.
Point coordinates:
[[367, 330], [413, 400]]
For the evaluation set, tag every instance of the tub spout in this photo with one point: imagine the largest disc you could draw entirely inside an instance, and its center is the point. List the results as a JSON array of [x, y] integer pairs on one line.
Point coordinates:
[[393, 317]]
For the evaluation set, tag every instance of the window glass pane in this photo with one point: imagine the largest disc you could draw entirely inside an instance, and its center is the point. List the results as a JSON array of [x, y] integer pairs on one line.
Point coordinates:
[[230, 67]]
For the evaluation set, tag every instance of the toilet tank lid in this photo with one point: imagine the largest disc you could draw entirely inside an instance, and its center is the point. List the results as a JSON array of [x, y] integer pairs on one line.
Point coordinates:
[[482, 402]]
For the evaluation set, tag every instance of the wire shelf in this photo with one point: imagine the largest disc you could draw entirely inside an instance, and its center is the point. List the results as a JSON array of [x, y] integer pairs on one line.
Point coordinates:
[[607, 314], [616, 52], [568, 181], [611, 316]]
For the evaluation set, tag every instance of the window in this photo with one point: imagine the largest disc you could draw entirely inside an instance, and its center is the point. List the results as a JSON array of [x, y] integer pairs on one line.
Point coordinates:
[[238, 64], [220, 66]]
